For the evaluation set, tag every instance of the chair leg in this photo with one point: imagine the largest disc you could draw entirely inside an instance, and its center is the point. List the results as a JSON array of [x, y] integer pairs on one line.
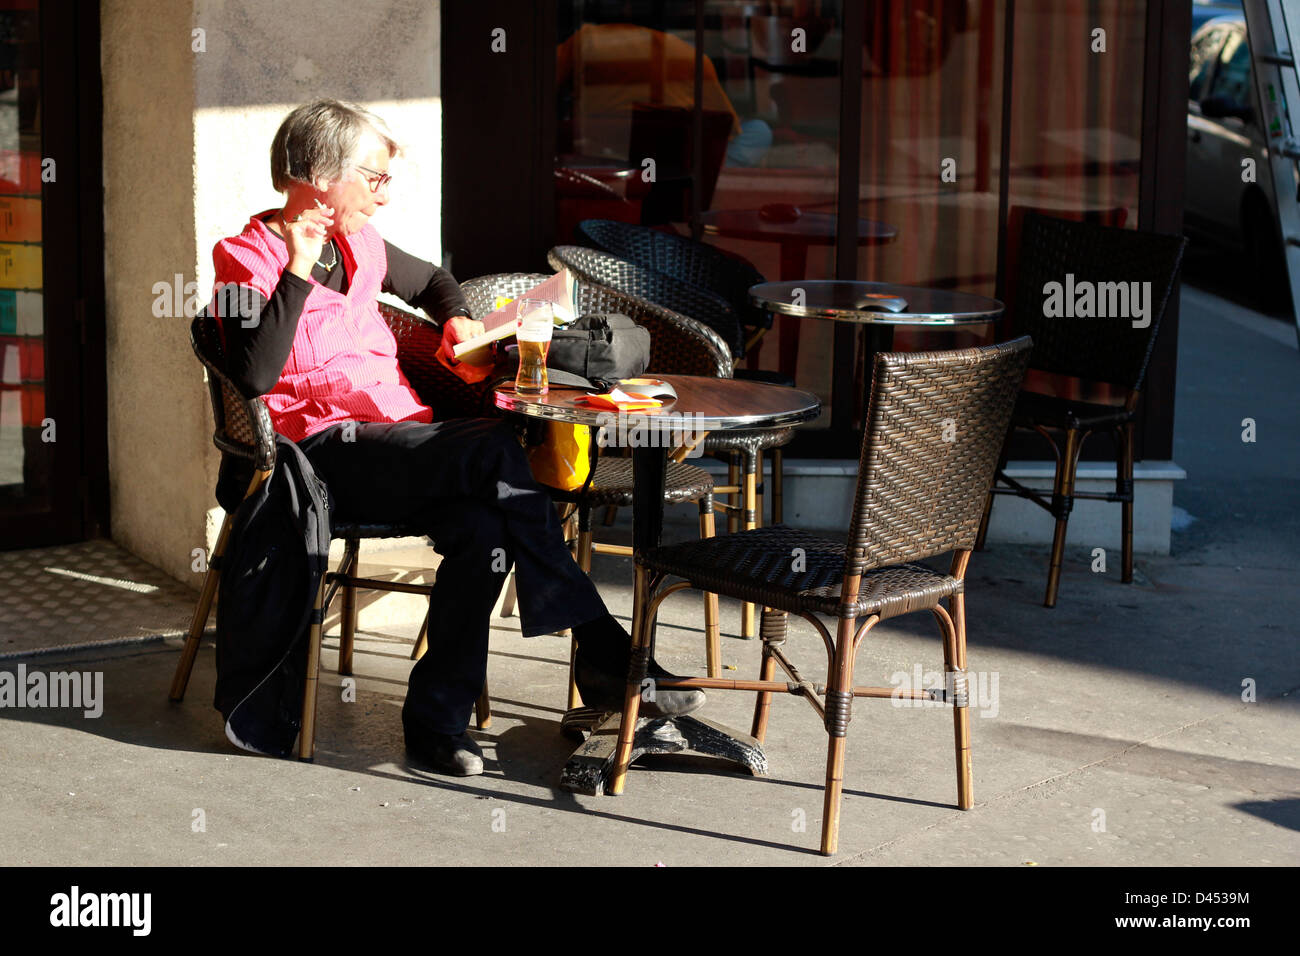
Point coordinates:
[[483, 709], [185, 666], [733, 480], [509, 597], [983, 532], [421, 640], [583, 553], [839, 710], [778, 485], [1062, 504], [984, 520], [637, 669], [575, 698], [750, 502], [773, 632], [307, 732], [954, 660], [712, 627], [348, 613], [1125, 469]]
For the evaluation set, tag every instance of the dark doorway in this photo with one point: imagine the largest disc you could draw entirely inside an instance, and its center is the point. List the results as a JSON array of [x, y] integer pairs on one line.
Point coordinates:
[[53, 459]]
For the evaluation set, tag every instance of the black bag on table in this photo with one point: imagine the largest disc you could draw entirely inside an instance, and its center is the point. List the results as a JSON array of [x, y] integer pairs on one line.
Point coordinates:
[[600, 347], [594, 352]]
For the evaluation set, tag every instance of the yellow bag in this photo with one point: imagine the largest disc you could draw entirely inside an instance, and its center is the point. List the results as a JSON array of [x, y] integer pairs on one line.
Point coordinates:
[[563, 457]]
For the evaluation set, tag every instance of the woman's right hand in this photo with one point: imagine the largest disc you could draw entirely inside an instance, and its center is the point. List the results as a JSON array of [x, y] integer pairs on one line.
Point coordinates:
[[305, 238]]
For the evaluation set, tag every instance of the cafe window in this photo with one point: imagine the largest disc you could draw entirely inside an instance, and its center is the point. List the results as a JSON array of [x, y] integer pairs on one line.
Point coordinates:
[[24, 458], [53, 432]]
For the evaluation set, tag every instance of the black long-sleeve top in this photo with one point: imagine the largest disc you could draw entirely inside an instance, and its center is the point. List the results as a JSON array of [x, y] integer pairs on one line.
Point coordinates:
[[257, 350]]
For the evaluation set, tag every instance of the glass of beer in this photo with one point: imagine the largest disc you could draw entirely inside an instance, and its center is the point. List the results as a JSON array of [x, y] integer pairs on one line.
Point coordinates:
[[535, 318]]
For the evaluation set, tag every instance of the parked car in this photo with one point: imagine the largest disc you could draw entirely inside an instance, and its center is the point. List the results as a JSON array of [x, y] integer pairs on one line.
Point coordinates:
[[1224, 129]]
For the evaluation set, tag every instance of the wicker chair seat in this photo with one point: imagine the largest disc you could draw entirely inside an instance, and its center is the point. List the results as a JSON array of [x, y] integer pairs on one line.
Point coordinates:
[[758, 566], [1051, 411], [612, 484], [747, 441]]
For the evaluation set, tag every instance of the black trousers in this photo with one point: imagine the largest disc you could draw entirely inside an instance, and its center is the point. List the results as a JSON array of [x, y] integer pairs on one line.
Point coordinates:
[[467, 484]]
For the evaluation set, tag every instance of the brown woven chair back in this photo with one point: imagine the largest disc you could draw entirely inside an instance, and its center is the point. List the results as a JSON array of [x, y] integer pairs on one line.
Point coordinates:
[[243, 426], [1098, 348], [678, 344], [935, 425], [602, 268], [695, 262], [418, 342], [481, 292]]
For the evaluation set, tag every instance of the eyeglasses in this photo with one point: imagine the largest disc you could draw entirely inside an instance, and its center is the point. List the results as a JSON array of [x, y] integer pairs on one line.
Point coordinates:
[[377, 179]]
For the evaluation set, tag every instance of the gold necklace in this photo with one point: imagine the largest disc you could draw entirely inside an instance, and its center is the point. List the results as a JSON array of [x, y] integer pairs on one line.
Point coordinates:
[[333, 263], [330, 267]]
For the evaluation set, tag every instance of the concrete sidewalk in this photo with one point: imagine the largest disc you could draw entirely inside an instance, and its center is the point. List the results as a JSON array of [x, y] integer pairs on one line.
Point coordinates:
[[1117, 735]]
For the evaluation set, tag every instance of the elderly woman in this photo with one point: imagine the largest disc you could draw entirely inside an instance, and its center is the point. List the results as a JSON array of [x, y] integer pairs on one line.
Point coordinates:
[[310, 340]]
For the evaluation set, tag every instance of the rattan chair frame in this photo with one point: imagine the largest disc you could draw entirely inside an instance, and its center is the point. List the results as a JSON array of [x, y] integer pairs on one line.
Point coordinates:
[[1109, 350], [935, 425], [679, 345], [243, 431], [695, 262], [682, 486], [603, 268]]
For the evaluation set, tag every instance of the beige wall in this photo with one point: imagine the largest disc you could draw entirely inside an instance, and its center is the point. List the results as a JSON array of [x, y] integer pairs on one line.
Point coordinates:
[[186, 136]]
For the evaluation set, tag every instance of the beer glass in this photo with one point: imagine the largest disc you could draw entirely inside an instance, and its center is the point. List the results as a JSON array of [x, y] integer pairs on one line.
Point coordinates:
[[535, 319]]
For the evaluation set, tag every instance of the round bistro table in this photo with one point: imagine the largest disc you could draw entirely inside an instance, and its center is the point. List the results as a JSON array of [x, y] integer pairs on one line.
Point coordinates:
[[810, 228], [850, 302], [702, 405]]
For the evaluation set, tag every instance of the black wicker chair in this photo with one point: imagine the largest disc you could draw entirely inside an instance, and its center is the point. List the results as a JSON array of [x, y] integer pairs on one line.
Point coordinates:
[[694, 262], [611, 484], [1110, 350], [481, 293], [919, 495], [602, 268], [682, 346], [246, 440]]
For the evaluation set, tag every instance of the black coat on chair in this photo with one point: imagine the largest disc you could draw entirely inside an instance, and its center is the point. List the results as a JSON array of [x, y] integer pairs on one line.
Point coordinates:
[[270, 574]]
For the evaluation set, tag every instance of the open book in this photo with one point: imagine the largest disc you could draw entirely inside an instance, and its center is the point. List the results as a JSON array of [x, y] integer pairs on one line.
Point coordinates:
[[558, 290]]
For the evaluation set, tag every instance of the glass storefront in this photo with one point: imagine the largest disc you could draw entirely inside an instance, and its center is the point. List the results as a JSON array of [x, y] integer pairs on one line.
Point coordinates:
[[953, 142]]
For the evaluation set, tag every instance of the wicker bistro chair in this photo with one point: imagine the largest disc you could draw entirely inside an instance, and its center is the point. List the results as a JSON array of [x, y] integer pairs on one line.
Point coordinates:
[[694, 262], [1110, 350], [481, 293], [611, 485], [918, 496], [688, 348], [743, 451], [680, 345], [593, 265], [246, 440]]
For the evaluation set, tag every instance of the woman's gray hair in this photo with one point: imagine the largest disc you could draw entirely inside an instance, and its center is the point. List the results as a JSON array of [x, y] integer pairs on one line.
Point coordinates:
[[321, 139]]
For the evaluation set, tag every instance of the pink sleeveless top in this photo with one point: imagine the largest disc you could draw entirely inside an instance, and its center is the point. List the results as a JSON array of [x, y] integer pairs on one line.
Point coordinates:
[[343, 365]]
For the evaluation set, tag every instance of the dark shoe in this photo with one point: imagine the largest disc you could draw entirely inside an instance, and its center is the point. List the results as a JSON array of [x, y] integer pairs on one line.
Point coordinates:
[[458, 756], [607, 689]]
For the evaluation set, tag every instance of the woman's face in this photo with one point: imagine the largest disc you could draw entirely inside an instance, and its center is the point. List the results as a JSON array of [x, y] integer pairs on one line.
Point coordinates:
[[352, 199]]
